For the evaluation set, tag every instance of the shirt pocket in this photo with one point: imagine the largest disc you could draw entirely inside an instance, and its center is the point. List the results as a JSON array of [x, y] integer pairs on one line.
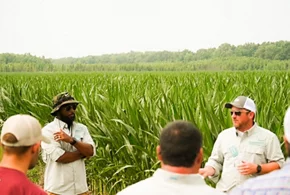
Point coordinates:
[[79, 134], [254, 155]]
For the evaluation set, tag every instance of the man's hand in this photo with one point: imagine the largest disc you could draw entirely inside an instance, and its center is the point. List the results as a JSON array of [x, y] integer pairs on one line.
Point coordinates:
[[62, 136], [84, 148], [207, 171], [246, 168]]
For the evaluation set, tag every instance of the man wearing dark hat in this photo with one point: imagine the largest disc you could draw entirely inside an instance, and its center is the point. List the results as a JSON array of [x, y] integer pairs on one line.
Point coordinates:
[[243, 151], [65, 171]]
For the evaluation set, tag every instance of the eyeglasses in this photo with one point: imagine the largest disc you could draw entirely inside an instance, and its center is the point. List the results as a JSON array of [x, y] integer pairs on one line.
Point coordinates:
[[71, 106], [238, 113]]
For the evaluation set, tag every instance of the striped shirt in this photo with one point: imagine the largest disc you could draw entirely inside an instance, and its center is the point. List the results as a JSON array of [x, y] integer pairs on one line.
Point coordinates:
[[274, 183]]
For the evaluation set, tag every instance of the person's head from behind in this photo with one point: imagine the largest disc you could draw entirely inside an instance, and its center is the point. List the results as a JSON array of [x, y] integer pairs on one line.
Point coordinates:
[[287, 131], [21, 137], [180, 145], [64, 106], [243, 111]]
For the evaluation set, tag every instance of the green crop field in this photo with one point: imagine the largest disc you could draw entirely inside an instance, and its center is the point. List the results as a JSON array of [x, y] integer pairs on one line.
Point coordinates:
[[126, 111]]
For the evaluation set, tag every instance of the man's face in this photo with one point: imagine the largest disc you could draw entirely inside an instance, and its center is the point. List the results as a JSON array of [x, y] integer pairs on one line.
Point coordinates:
[[242, 118], [67, 113]]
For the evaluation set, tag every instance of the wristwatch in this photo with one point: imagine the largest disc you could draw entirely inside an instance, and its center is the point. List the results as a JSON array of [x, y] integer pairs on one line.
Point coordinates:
[[259, 168], [73, 142]]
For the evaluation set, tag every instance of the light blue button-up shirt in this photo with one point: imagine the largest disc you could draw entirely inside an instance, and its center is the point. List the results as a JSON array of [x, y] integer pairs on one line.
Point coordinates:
[[256, 145]]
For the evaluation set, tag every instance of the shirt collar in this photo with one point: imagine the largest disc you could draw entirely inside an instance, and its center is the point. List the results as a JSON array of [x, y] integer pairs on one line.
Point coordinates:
[[60, 123], [250, 131], [171, 177]]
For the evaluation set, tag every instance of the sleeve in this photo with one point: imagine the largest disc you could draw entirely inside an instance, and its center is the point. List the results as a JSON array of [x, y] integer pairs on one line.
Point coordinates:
[[86, 137], [274, 152], [53, 150], [216, 159]]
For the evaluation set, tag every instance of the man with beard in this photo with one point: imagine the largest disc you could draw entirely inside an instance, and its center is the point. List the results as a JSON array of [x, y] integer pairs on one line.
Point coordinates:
[[65, 171], [20, 141], [276, 182], [243, 151]]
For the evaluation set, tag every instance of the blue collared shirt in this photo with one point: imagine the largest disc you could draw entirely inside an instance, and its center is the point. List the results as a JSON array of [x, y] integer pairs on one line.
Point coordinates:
[[273, 183]]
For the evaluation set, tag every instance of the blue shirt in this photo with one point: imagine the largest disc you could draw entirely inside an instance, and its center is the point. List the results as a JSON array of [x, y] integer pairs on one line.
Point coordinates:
[[273, 183]]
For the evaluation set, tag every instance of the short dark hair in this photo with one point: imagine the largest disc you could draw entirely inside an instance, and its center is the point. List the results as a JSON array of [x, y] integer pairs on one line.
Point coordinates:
[[180, 142]]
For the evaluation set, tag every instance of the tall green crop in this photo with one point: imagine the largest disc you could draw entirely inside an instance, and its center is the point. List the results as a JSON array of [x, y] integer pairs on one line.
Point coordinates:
[[126, 111]]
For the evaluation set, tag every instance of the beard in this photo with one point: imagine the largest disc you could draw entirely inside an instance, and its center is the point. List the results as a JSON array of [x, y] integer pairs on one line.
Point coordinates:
[[67, 119]]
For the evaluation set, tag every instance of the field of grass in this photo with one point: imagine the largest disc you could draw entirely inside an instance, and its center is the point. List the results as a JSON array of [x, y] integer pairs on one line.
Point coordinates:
[[126, 111]]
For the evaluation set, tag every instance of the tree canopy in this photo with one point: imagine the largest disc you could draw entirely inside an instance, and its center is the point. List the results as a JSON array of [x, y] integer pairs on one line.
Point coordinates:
[[250, 56]]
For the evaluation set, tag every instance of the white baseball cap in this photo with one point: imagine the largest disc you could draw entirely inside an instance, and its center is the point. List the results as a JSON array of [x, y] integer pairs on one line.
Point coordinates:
[[287, 125], [242, 102], [25, 128]]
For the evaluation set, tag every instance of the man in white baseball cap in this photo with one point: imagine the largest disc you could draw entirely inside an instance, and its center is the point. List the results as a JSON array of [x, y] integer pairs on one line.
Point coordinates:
[[20, 141], [276, 182], [243, 102], [244, 150]]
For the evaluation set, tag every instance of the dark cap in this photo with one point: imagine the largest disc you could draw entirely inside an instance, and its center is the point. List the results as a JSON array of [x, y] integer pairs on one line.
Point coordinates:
[[60, 100]]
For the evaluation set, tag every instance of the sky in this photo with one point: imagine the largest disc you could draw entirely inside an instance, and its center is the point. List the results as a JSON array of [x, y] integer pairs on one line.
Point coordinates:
[[78, 28]]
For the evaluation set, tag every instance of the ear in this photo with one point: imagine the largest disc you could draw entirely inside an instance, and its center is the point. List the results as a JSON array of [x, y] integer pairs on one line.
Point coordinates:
[[158, 153], [199, 157], [285, 141], [35, 148], [251, 115]]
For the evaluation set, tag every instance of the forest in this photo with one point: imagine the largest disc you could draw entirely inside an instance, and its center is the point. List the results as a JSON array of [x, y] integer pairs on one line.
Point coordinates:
[[226, 57]]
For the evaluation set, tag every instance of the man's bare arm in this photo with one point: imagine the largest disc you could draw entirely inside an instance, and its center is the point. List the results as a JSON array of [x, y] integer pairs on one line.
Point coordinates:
[[68, 157], [84, 148]]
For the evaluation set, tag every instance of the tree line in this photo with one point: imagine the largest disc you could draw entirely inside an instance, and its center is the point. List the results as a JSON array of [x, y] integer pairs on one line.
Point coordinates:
[[250, 56]]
